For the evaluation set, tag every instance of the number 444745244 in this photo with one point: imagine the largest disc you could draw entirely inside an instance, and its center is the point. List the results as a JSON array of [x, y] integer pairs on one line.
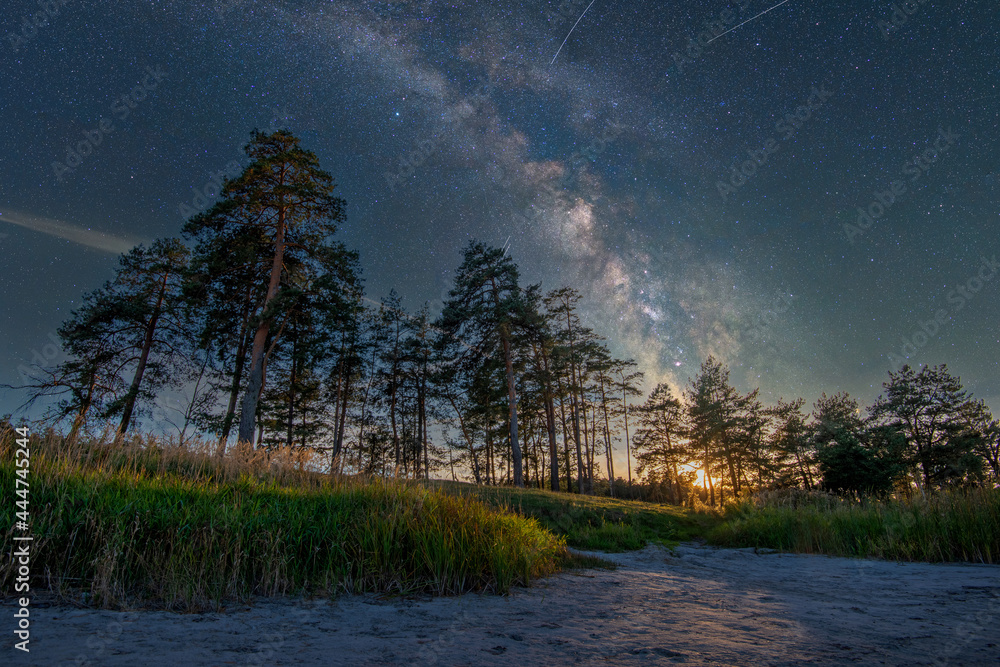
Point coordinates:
[[22, 455]]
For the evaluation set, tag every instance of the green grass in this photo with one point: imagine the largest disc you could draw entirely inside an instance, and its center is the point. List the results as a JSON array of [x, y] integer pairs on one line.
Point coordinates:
[[120, 527], [144, 524], [592, 523], [947, 526], [954, 526]]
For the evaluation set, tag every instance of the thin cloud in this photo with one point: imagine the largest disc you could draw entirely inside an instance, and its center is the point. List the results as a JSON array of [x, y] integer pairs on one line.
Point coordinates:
[[63, 230]]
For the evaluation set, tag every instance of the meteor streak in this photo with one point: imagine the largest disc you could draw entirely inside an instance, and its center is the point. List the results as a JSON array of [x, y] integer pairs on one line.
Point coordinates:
[[91, 239], [574, 28], [728, 31]]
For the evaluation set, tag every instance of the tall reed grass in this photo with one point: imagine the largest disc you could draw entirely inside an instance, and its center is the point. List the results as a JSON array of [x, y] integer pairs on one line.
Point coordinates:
[[960, 525], [145, 523]]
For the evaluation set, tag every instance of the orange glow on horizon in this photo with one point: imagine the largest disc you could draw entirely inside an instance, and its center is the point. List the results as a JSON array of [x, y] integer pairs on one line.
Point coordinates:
[[700, 476]]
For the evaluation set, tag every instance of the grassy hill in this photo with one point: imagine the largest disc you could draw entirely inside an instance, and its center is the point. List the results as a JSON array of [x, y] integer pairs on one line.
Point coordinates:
[[595, 523], [140, 524]]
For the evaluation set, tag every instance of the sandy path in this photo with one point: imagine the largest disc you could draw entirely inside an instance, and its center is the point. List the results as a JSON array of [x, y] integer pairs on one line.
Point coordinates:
[[700, 606]]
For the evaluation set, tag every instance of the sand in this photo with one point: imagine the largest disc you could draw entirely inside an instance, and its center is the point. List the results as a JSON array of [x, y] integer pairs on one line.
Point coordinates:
[[695, 606]]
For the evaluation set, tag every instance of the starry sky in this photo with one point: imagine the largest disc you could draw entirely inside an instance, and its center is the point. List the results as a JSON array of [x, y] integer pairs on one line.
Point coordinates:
[[808, 191]]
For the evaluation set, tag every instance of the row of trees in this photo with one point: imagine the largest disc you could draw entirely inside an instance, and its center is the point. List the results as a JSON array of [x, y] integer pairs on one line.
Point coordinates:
[[257, 280], [924, 431], [257, 317]]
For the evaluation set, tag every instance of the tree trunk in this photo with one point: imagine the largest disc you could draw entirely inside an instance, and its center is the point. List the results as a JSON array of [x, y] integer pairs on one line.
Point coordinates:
[[611, 462], [490, 475], [248, 415], [566, 447], [341, 380], [678, 494], [708, 478], [574, 388], [338, 443], [732, 471], [539, 462], [607, 441], [477, 475], [802, 469], [147, 345], [234, 391], [628, 451], [364, 400], [580, 469], [550, 422], [515, 447], [393, 390], [81, 415], [588, 449], [550, 426], [290, 427], [423, 422]]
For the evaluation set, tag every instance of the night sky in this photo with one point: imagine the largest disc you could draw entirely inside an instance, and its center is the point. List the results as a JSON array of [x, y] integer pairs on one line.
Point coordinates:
[[615, 169]]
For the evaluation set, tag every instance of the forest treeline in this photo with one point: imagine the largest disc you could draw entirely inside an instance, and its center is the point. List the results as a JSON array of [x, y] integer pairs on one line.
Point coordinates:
[[257, 316]]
